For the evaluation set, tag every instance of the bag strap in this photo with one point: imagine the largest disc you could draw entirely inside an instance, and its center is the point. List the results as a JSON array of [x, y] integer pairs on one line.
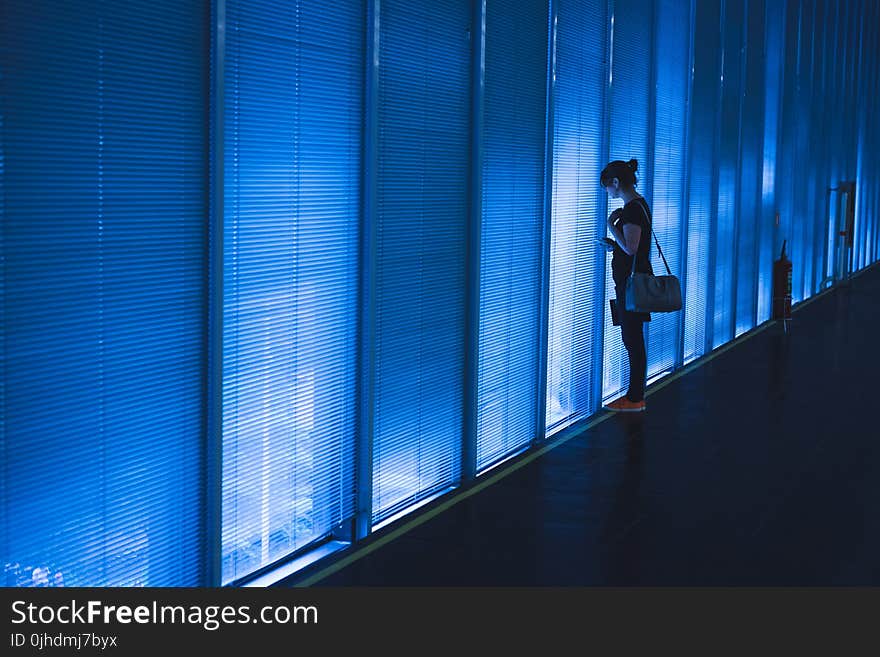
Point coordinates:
[[668, 271]]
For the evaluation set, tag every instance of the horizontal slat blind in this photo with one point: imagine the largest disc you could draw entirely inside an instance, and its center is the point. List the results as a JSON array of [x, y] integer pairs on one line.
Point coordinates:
[[853, 17], [704, 119], [871, 179], [104, 215], [422, 205], [787, 156], [801, 221], [672, 50], [751, 135], [873, 149], [832, 110], [865, 220], [725, 234], [774, 44], [512, 226], [836, 112], [820, 111], [814, 196], [293, 113], [629, 124], [863, 74], [575, 281]]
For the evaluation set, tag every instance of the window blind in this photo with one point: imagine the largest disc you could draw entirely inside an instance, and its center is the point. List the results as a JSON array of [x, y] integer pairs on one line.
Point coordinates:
[[104, 312], [873, 208], [836, 113], [704, 119], [870, 180], [292, 143], [629, 107], [576, 301], [774, 44], [751, 135], [725, 230], [788, 157], [831, 229], [865, 218], [672, 56], [422, 206], [813, 193], [849, 18], [863, 76], [512, 226], [801, 221]]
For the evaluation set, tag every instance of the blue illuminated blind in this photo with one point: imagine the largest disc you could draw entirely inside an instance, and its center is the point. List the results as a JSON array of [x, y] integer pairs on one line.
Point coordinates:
[[422, 199], [831, 107], [792, 230], [862, 75], [725, 234], [870, 181], [512, 226], [865, 182], [629, 119], [774, 43], [293, 113], [576, 300], [104, 312], [818, 158], [818, 155], [703, 130], [837, 110], [672, 53], [852, 18], [751, 139], [788, 163], [872, 207], [801, 219]]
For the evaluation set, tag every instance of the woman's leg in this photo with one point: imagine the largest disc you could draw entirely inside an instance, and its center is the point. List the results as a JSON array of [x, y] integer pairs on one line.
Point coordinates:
[[631, 329]]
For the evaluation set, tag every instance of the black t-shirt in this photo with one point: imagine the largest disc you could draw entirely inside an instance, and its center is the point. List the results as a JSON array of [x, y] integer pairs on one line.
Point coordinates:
[[635, 212]]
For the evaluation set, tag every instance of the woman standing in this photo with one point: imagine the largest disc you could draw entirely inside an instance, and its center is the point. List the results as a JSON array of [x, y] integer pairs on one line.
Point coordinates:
[[630, 228]]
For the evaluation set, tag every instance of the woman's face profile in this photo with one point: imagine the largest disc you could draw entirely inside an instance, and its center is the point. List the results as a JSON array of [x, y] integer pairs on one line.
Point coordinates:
[[612, 187]]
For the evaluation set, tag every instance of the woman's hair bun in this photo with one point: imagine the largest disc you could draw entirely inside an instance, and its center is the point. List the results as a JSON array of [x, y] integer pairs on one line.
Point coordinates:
[[624, 171]]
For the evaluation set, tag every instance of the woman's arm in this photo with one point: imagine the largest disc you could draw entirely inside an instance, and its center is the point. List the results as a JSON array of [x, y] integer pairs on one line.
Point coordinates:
[[628, 238]]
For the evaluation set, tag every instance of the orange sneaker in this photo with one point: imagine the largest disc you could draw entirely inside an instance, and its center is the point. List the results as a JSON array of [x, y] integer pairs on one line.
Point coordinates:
[[625, 405]]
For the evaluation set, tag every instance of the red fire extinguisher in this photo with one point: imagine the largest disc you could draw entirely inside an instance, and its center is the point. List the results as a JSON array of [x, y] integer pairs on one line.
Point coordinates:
[[782, 287]]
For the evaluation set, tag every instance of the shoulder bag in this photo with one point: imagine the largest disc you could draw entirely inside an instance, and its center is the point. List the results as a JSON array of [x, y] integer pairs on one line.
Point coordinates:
[[646, 293]]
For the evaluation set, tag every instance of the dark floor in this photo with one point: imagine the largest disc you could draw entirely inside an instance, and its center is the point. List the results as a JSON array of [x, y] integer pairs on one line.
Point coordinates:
[[759, 468]]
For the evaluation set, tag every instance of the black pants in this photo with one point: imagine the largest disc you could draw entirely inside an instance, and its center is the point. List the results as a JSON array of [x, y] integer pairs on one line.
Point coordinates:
[[631, 329]]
